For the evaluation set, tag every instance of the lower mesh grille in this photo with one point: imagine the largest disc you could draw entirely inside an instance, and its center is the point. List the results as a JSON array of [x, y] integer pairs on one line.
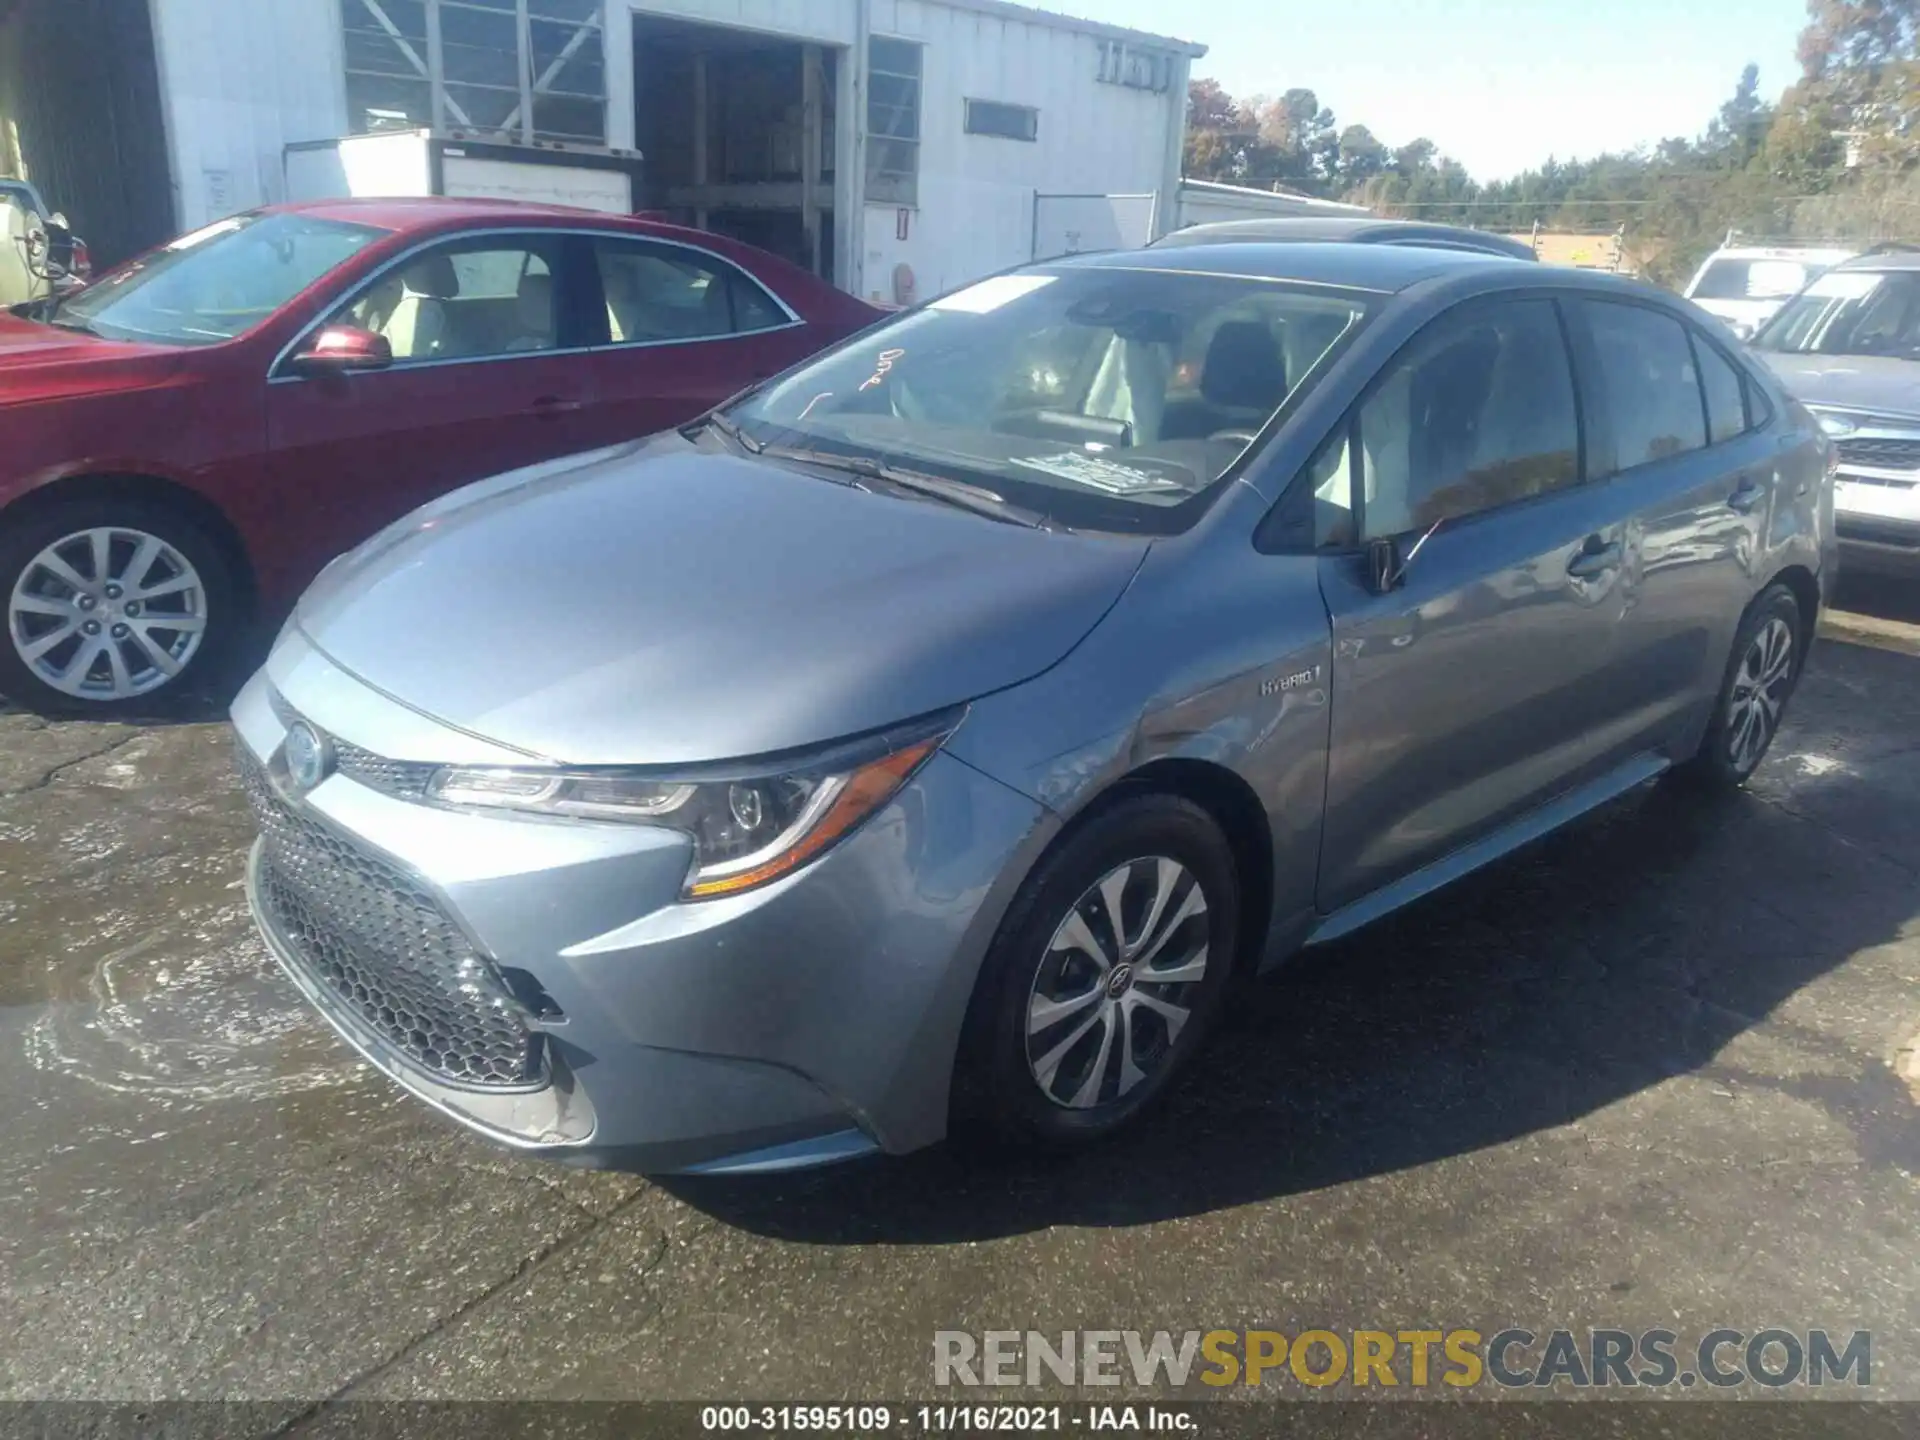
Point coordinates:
[[371, 937], [1886, 452]]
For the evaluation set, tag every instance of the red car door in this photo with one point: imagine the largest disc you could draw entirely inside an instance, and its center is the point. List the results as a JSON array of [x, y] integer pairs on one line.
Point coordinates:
[[685, 328], [488, 375]]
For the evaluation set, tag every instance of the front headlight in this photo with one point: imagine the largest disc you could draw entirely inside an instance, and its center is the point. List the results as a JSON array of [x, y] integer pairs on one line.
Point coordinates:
[[749, 825], [1836, 425]]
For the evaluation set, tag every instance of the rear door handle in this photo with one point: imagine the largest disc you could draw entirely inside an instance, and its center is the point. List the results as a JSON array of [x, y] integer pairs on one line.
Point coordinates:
[[1596, 558], [552, 407], [1745, 496]]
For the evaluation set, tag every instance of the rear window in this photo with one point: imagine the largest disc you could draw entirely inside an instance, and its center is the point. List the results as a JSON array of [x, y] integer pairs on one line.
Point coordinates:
[[1731, 279]]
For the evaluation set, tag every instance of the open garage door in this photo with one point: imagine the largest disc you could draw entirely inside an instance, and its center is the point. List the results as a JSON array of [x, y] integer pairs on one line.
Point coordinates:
[[1070, 224]]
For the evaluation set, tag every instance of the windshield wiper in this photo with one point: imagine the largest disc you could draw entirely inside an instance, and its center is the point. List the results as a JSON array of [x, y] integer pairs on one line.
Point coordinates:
[[79, 327], [714, 420], [960, 493]]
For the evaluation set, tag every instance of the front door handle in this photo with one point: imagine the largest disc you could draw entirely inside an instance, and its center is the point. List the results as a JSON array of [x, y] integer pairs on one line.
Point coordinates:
[[552, 407], [1745, 496], [1596, 558]]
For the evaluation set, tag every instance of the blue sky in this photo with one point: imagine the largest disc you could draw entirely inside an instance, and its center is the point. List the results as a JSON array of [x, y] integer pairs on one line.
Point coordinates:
[[1498, 84]]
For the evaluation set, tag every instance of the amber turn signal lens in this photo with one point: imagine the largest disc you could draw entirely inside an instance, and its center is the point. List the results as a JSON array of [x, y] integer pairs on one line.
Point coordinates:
[[864, 792]]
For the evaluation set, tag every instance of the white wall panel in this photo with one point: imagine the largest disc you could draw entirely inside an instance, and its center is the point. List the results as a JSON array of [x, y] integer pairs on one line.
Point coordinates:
[[240, 79], [975, 214]]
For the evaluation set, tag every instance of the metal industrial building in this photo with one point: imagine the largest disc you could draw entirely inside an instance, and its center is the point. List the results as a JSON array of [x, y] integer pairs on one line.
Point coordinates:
[[899, 147]]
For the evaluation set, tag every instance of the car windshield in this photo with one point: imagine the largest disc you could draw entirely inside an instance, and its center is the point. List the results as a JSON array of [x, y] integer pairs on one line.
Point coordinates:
[[1095, 398], [215, 283], [1851, 312], [1728, 278]]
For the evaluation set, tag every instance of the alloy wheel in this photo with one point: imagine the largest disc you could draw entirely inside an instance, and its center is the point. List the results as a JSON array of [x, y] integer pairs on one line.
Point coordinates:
[[108, 613], [1118, 983], [1759, 693]]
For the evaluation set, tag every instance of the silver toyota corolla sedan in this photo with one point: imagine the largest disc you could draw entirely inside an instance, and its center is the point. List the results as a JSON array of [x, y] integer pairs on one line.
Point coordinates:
[[932, 737]]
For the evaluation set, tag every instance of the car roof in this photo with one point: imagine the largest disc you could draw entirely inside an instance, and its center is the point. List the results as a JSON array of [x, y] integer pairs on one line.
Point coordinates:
[[424, 211], [1367, 229], [1780, 252], [429, 214], [1382, 268], [1883, 260]]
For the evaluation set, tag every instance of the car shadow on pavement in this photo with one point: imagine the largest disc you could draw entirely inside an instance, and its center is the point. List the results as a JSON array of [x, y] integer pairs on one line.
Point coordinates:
[[1628, 950]]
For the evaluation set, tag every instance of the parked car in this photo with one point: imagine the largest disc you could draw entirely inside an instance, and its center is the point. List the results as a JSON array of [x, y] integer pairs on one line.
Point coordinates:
[[39, 253], [1746, 284], [1848, 346], [194, 435], [1352, 230], [939, 731]]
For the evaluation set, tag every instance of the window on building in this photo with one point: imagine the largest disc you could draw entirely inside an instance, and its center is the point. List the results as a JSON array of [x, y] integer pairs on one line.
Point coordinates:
[[1009, 122], [1476, 413], [893, 121], [473, 65], [1649, 381]]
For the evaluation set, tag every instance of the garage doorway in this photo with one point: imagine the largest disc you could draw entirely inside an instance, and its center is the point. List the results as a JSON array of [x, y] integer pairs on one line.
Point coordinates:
[[740, 131]]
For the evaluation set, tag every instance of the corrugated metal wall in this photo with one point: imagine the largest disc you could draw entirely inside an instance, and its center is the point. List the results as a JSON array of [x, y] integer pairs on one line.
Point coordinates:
[[79, 86]]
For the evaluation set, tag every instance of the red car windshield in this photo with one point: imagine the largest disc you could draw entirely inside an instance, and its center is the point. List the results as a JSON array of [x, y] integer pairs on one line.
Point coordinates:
[[216, 283]]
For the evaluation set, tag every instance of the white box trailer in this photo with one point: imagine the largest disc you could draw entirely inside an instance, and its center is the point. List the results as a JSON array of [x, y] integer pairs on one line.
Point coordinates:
[[397, 163], [1204, 202], [1071, 224]]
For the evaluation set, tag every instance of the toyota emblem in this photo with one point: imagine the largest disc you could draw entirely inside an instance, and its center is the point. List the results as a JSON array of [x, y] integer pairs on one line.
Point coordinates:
[[308, 757]]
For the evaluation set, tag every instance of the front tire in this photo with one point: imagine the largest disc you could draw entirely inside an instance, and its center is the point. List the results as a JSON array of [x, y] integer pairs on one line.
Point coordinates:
[[112, 608], [1106, 976], [1769, 651]]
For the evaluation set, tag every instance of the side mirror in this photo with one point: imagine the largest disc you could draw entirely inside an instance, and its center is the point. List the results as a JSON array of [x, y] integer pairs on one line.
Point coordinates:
[[341, 350], [1387, 564], [1385, 570]]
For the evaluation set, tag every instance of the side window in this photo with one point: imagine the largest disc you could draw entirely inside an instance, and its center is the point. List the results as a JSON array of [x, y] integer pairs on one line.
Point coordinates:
[[1651, 388], [462, 301], [662, 292], [1330, 476], [753, 308], [1478, 411], [1726, 395]]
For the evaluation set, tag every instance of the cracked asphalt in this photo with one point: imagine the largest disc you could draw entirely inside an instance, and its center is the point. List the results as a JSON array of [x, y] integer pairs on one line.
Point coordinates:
[[1659, 1070]]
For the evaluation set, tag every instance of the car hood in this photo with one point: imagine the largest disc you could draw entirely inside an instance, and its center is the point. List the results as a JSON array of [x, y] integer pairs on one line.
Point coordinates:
[[662, 604], [41, 361], [1873, 383]]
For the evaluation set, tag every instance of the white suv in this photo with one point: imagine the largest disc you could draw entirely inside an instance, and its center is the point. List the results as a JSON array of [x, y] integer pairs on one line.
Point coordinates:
[[1745, 285], [1848, 347]]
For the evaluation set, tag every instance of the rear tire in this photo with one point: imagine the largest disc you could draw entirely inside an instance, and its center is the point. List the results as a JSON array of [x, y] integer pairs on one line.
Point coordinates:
[[1769, 651], [1074, 1029], [112, 608]]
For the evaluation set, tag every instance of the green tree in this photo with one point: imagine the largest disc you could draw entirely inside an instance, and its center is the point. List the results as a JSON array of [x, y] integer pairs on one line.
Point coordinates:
[[1860, 77], [1359, 159], [1219, 129]]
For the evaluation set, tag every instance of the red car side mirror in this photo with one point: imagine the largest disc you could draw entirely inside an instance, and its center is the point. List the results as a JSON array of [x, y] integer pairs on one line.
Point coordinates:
[[341, 349]]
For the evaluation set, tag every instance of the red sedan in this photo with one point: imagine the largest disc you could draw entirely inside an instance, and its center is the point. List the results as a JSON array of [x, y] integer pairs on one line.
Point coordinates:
[[184, 444]]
